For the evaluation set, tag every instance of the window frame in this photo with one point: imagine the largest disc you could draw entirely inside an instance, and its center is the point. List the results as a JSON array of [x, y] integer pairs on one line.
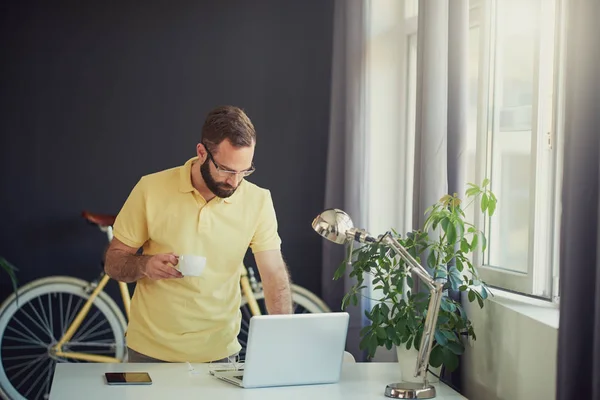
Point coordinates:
[[541, 279]]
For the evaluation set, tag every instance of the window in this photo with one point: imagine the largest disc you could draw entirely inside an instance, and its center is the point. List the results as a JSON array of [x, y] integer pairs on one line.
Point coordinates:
[[513, 121]]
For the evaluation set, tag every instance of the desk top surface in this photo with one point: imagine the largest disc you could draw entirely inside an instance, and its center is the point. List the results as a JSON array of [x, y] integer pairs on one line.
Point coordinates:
[[175, 381]]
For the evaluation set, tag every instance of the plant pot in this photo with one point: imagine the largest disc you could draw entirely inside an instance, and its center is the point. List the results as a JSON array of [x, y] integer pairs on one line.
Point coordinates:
[[408, 362]]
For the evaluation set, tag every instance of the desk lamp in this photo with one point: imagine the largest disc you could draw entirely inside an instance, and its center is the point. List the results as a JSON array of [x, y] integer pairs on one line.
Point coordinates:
[[336, 226]]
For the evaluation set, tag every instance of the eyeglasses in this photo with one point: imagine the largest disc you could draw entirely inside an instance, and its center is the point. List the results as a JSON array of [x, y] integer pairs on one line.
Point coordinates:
[[226, 172]]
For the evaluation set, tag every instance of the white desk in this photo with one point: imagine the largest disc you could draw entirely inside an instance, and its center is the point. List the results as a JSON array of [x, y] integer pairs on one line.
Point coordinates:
[[174, 381]]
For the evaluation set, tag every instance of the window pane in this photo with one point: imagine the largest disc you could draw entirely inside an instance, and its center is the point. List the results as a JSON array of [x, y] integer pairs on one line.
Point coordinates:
[[411, 8], [411, 109], [471, 167], [517, 31]]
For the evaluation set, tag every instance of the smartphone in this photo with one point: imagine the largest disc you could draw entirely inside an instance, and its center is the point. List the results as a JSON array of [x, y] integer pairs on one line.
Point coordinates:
[[128, 378]]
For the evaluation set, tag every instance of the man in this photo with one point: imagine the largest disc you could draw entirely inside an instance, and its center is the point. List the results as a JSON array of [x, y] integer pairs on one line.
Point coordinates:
[[205, 208]]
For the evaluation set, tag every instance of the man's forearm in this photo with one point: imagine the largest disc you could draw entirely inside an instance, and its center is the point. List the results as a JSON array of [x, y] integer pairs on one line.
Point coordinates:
[[278, 295], [125, 267]]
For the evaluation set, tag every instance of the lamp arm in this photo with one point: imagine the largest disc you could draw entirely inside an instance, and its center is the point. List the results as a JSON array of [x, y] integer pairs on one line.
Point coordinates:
[[436, 291]]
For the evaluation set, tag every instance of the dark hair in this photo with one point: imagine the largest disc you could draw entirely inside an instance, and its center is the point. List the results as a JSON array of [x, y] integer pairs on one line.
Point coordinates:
[[228, 122]]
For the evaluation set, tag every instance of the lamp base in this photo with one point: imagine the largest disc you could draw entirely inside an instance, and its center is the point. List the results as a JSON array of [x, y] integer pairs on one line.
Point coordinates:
[[407, 390]]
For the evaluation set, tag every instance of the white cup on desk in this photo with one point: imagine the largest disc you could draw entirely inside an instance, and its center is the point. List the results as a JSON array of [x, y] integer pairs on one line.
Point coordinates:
[[191, 265]]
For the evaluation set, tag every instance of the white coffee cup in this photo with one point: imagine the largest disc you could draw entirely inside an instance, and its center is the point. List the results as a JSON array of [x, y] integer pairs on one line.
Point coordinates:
[[191, 265]]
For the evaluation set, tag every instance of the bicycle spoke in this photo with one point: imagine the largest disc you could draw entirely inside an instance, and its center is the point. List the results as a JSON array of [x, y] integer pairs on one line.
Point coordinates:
[[77, 307], [45, 384], [20, 333], [28, 375], [85, 326], [60, 307], [107, 330], [48, 329], [32, 346], [26, 340], [22, 310], [12, 358], [27, 329], [39, 299], [49, 378], [99, 343], [27, 363], [36, 382], [50, 311], [82, 330]]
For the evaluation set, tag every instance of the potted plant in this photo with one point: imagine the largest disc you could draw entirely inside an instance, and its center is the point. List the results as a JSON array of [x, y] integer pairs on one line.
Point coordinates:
[[445, 243], [11, 271]]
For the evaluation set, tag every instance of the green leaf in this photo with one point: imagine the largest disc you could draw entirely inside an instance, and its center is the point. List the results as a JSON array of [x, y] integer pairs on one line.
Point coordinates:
[[480, 301], [440, 273], [11, 271], [431, 260], [460, 229], [372, 345], [484, 202], [486, 182], [440, 338], [471, 229], [380, 332], [417, 342], [340, 271], [483, 242], [451, 232], [365, 330], [465, 247], [409, 343], [471, 296], [474, 242], [473, 191], [450, 335], [445, 222], [450, 360], [459, 265], [437, 357], [447, 305], [456, 348], [491, 207], [385, 310]]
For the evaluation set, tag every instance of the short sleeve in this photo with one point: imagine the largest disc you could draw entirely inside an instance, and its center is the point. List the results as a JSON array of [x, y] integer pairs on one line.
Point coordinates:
[[131, 226], [266, 236]]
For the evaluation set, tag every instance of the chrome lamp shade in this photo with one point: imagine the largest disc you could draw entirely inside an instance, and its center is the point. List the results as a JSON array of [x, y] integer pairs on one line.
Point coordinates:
[[336, 225]]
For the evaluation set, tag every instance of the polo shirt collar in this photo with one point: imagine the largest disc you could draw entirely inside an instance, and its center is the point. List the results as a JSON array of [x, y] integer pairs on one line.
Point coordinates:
[[185, 182]]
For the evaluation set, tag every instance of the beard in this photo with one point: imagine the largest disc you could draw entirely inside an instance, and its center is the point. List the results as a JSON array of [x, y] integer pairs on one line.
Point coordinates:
[[219, 189]]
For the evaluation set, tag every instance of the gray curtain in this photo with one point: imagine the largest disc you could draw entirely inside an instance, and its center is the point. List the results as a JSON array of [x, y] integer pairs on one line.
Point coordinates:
[[442, 104], [431, 134], [346, 179], [578, 363]]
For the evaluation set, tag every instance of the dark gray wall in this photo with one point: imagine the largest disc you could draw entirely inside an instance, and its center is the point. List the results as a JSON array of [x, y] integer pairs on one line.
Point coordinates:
[[94, 95]]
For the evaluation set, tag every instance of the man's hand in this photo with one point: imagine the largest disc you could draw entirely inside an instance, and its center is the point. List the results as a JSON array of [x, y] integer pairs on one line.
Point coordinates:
[[122, 263], [275, 280], [157, 267]]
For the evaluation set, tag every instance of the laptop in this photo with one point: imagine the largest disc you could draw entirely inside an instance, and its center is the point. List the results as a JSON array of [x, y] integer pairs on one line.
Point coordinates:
[[292, 349]]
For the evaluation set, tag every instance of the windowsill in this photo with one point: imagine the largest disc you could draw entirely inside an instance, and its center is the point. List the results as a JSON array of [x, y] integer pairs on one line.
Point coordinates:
[[542, 311]]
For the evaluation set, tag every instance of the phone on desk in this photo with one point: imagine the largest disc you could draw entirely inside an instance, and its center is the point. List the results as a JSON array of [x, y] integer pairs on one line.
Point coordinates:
[[128, 378]]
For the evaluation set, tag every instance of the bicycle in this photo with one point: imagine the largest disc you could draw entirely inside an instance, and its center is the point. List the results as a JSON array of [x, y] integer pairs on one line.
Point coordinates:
[[91, 331]]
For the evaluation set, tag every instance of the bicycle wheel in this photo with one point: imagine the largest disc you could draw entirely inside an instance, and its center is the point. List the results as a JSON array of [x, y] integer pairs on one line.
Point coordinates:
[[29, 329], [304, 301]]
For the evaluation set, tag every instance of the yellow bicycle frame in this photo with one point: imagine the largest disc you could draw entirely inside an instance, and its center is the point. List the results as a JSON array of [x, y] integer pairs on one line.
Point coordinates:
[[126, 296]]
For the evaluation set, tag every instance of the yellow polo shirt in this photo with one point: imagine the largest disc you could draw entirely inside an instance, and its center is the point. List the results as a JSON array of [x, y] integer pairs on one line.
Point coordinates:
[[194, 319]]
